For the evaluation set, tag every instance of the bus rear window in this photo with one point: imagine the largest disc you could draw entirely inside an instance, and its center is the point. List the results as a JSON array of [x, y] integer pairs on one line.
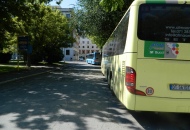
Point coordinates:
[[164, 22]]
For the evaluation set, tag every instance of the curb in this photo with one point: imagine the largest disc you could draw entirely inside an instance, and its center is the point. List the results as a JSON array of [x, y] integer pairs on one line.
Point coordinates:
[[15, 79]]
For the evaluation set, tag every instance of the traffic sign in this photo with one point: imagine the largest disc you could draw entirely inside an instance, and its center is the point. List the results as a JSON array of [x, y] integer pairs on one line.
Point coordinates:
[[23, 42], [29, 50]]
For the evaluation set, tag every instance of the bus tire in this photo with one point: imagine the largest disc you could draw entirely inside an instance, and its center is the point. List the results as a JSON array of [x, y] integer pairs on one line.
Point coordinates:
[[107, 75], [110, 80]]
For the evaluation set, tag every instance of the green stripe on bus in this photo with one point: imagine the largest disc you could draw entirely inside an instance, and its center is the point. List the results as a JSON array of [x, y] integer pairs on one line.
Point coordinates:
[[155, 1]]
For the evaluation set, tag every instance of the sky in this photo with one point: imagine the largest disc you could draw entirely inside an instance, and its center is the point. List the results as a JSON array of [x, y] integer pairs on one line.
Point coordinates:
[[65, 3]]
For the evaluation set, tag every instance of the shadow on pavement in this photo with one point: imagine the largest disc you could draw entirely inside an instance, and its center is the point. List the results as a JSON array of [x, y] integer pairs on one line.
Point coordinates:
[[76, 98]]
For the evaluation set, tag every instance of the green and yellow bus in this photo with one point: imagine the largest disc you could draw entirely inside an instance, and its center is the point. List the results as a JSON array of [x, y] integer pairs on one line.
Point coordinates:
[[146, 60]]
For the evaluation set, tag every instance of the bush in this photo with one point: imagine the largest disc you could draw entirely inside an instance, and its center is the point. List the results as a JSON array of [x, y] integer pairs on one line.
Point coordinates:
[[49, 55], [54, 56], [36, 58], [5, 57]]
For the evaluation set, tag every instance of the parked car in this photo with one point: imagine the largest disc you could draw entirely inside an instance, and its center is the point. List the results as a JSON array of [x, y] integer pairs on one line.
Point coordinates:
[[81, 58]]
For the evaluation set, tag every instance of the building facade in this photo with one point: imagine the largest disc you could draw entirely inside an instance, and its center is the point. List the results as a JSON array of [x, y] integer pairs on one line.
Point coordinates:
[[72, 52], [86, 46]]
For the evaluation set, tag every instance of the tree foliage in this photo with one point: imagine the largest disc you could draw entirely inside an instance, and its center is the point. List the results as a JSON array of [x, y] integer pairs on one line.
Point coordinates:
[[112, 5], [10, 9], [49, 31], [47, 28], [15, 8], [93, 19]]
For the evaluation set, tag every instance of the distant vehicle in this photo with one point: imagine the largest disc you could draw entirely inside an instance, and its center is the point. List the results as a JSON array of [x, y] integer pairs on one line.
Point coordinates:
[[89, 58], [146, 60], [81, 58], [94, 58]]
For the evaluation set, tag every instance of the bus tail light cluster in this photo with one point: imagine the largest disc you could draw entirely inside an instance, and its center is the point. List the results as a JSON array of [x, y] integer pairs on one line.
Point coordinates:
[[130, 82]]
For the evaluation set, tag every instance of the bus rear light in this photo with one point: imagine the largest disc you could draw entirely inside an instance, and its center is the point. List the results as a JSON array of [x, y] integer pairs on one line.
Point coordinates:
[[130, 82], [130, 78]]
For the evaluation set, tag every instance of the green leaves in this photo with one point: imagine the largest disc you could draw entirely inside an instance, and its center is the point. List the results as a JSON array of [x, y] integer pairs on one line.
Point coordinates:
[[112, 5], [47, 28], [92, 20], [10, 9]]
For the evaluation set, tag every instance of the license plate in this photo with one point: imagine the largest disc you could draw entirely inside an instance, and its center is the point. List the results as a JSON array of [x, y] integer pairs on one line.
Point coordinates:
[[180, 87]]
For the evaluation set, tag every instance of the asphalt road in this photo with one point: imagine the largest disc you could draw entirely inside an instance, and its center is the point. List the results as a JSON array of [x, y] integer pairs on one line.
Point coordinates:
[[75, 98]]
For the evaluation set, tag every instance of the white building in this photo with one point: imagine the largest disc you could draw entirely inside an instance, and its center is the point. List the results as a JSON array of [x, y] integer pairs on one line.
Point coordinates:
[[72, 52]]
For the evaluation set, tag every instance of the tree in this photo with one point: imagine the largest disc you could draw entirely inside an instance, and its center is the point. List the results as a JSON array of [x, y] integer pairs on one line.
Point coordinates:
[[92, 20], [112, 5], [14, 8], [48, 30]]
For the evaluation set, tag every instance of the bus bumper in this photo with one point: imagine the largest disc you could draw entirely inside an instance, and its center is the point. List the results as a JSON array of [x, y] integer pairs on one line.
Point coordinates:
[[144, 103]]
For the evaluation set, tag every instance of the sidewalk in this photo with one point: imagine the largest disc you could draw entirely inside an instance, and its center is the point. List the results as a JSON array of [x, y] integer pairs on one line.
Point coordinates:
[[20, 74]]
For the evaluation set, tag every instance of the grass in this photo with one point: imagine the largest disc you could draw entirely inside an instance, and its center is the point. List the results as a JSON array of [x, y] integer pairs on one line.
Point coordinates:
[[13, 66], [59, 63], [5, 69]]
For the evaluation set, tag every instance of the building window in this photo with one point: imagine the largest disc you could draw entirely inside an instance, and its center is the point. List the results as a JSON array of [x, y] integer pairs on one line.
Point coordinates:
[[88, 51], [83, 52], [87, 46], [87, 42], [68, 15], [92, 51], [79, 46], [82, 46], [83, 42], [92, 46], [67, 52]]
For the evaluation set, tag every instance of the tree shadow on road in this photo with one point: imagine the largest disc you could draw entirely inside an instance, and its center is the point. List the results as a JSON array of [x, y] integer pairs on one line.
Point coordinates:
[[162, 120], [73, 99]]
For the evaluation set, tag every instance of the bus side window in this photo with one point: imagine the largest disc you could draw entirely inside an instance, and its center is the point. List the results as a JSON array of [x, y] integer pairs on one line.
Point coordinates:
[[120, 39]]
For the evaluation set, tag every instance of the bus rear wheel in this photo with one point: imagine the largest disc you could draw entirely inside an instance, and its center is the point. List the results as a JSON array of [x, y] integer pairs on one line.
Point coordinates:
[[110, 80]]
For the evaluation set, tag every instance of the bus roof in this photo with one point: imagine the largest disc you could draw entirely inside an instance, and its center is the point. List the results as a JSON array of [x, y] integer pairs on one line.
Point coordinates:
[[138, 2]]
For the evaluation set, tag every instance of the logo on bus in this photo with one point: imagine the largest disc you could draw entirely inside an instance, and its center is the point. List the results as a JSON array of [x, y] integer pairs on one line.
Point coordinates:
[[174, 47], [161, 49]]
